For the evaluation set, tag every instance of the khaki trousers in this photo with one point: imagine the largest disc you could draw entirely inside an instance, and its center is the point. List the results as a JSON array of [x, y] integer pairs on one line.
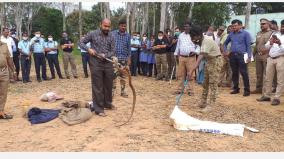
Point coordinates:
[[69, 58], [273, 66], [186, 64], [161, 64], [4, 83]]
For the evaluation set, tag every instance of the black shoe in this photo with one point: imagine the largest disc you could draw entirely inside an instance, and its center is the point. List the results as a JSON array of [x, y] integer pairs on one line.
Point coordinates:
[[75, 76], [61, 77], [25, 81], [86, 76], [39, 80], [52, 77], [236, 91], [29, 81], [263, 99], [275, 102], [68, 77], [274, 90], [246, 93]]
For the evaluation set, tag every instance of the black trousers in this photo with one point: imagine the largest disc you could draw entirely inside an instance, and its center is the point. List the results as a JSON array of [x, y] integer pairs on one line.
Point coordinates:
[[102, 75], [85, 61], [239, 66], [144, 67], [16, 60], [150, 69], [26, 67], [53, 62], [134, 61], [40, 63]]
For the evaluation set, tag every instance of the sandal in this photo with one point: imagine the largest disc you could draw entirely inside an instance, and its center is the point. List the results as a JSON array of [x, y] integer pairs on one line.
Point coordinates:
[[6, 117]]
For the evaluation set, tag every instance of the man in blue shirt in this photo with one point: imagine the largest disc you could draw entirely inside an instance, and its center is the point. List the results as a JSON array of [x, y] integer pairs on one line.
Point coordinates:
[[135, 45], [240, 45], [25, 52], [51, 49], [122, 52], [37, 45]]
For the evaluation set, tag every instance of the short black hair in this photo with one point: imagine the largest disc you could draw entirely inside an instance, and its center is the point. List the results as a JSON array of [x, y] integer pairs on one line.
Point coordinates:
[[5, 29], [274, 22], [122, 21], [187, 21], [138, 32], [160, 32], [24, 33], [177, 28], [237, 21], [195, 30], [282, 22]]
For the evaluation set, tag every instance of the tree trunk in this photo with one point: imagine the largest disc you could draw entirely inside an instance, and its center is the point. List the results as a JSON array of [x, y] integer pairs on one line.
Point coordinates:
[[19, 14], [248, 10], [190, 10], [108, 14], [63, 15], [145, 18], [102, 10], [166, 16], [80, 19], [172, 17], [163, 16], [128, 7], [154, 20], [2, 16], [133, 15]]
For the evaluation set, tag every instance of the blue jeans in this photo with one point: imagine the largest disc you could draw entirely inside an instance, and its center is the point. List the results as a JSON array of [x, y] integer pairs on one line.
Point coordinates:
[[238, 66], [85, 61], [134, 60]]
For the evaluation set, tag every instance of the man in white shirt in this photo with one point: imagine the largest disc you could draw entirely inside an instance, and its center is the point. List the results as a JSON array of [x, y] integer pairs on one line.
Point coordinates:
[[275, 64], [185, 50], [5, 38]]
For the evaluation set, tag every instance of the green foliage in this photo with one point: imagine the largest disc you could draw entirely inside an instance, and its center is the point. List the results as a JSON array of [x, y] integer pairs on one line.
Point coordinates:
[[48, 21], [116, 16]]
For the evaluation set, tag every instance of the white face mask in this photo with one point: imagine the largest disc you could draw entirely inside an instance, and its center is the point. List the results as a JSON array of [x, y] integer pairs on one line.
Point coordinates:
[[160, 37], [138, 37], [13, 35], [134, 37], [37, 35], [25, 38], [50, 39], [144, 38]]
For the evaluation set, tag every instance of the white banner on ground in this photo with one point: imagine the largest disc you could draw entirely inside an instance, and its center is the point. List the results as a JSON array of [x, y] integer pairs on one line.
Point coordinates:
[[182, 121]]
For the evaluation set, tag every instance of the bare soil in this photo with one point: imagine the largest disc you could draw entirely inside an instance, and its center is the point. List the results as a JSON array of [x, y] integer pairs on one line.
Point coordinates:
[[150, 129]]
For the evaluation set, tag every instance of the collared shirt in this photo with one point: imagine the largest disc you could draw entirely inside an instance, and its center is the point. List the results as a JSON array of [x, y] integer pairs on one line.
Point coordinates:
[[37, 46], [4, 53], [275, 49], [164, 41], [10, 42], [25, 46], [122, 44], [240, 42], [209, 47], [224, 37], [184, 45], [51, 44], [135, 42], [102, 44], [83, 50]]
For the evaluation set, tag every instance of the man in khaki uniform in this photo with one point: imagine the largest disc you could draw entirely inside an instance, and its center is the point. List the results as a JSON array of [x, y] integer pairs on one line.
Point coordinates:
[[226, 72], [275, 64], [211, 52], [6, 63], [260, 54]]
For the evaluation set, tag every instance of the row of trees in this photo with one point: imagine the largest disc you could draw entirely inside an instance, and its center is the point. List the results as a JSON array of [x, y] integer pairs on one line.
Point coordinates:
[[145, 17]]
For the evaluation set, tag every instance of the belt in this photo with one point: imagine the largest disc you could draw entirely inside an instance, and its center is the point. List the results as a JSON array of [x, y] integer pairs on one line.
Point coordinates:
[[186, 56]]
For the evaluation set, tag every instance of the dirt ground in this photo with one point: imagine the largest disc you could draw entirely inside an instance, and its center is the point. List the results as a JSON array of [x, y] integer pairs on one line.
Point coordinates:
[[150, 129]]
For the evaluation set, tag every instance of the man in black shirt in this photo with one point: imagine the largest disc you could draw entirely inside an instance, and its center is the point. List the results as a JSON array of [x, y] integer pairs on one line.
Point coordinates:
[[67, 47], [160, 49]]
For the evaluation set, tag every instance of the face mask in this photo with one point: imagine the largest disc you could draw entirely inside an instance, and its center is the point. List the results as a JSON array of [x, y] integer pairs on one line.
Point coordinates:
[[160, 37], [138, 37], [144, 38], [13, 35], [37, 35], [25, 38], [134, 37], [169, 33], [50, 39], [64, 35], [177, 34]]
